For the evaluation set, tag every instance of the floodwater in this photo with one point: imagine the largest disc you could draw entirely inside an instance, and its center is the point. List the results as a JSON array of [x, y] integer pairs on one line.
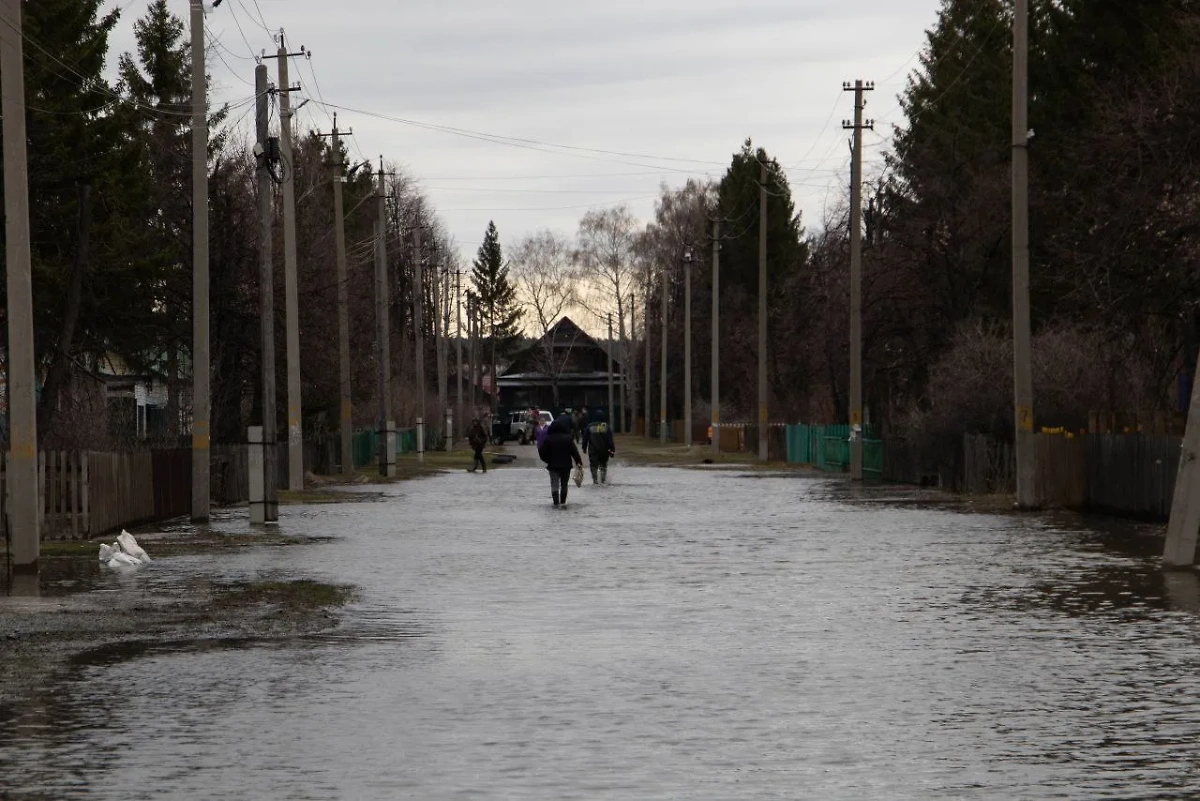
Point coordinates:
[[680, 634]]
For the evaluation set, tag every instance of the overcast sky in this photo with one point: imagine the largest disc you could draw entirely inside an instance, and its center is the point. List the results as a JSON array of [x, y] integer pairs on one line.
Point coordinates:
[[674, 85]]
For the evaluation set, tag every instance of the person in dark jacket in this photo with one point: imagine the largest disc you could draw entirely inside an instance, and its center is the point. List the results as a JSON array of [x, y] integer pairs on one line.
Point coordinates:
[[559, 453], [599, 445], [477, 438]]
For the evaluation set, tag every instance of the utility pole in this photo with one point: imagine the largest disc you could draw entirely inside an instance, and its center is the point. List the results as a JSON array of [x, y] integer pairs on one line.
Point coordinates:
[[646, 325], [343, 303], [856, 389], [662, 376], [291, 290], [611, 409], [266, 300], [1180, 548], [629, 370], [441, 294], [716, 339], [687, 347], [201, 390], [461, 420], [1022, 347], [387, 448], [419, 337], [762, 312], [24, 520]]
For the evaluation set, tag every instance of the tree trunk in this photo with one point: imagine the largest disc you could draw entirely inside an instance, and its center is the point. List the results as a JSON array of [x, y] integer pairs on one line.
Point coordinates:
[[62, 367]]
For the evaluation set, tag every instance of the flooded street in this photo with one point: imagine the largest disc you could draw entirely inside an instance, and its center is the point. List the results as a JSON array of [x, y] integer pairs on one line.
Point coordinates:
[[680, 634]]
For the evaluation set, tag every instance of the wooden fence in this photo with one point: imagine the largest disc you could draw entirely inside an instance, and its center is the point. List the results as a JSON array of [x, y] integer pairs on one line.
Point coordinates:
[[121, 490]]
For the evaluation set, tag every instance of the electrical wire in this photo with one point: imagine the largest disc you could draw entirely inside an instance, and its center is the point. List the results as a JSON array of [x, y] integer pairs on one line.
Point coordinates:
[[515, 142]]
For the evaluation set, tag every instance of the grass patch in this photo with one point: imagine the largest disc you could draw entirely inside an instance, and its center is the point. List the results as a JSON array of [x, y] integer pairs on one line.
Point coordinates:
[[72, 548], [637, 450], [298, 594]]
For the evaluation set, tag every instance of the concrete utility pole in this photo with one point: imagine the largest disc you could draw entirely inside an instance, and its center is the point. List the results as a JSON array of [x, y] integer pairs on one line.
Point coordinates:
[[343, 302], [1180, 548], [419, 337], [628, 369], [662, 383], [716, 338], [266, 300], [687, 347], [201, 390], [24, 501], [762, 312], [1026, 457], [387, 445], [461, 421], [856, 389], [291, 290], [611, 409], [646, 325], [441, 294]]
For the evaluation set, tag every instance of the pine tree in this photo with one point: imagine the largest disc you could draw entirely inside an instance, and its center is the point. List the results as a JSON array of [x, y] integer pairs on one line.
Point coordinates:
[[500, 313]]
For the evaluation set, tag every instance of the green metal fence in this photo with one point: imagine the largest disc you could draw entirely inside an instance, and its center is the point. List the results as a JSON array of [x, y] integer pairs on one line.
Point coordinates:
[[828, 448]]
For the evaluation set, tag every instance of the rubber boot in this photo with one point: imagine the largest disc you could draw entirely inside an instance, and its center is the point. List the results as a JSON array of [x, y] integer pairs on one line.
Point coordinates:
[[563, 495], [595, 478], [603, 474], [554, 496]]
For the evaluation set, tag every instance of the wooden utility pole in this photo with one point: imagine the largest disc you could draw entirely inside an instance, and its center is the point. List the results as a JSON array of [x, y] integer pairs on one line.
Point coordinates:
[[762, 312], [1026, 458], [201, 389], [295, 435], [266, 302], [343, 302], [856, 389], [716, 338], [24, 520]]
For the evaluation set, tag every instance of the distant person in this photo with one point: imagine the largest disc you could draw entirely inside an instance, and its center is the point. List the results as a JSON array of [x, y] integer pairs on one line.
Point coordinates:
[[539, 433], [477, 438], [577, 421], [559, 453], [599, 445]]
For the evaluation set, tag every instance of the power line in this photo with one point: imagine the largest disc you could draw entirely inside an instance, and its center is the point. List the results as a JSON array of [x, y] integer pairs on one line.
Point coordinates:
[[525, 144]]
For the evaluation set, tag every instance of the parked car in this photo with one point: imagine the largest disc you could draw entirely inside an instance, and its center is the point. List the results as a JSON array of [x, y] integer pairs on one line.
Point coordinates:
[[512, 426]]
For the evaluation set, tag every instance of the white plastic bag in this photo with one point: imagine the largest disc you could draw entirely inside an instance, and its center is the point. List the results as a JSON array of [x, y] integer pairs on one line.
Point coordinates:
[[578, 475], [129, 545]]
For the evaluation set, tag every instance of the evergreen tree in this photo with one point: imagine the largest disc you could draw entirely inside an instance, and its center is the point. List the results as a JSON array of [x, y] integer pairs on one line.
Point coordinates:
[[500, 312], [738, 199]]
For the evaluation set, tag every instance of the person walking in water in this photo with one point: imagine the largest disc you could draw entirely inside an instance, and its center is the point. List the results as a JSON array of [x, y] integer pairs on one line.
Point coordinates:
[[559, 453], [599, 445], [477, 438]]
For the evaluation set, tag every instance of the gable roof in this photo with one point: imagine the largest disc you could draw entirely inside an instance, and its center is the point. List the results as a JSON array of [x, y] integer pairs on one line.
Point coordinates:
[[564, 334]]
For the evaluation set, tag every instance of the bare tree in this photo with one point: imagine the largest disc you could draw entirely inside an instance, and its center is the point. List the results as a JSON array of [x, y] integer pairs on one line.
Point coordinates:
[[607, 257], [547, 278]]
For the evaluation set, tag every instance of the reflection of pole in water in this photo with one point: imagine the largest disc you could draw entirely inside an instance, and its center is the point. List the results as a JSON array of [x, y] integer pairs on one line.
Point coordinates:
[[1183, 590]]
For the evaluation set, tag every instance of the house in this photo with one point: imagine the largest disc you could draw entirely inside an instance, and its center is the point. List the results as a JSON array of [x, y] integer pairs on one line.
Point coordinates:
[[138, 400], [566, 368]]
